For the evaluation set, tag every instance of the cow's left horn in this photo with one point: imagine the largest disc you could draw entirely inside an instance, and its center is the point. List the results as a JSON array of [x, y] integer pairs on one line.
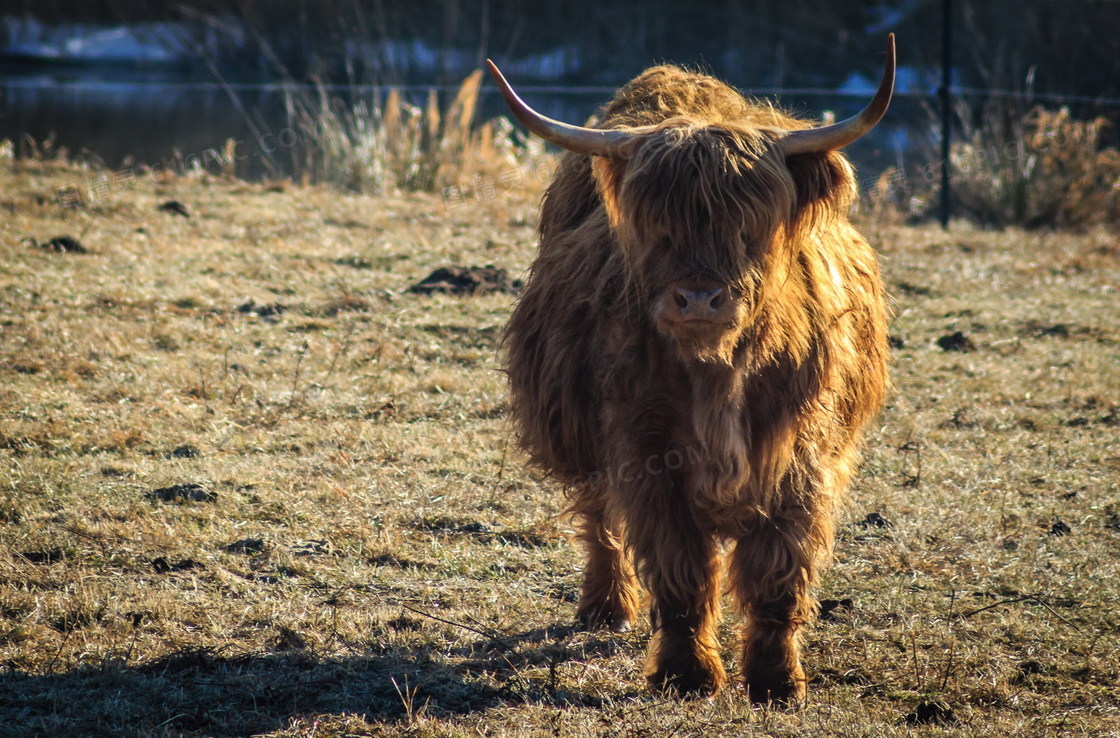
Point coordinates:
[[839, 135], [591, 141]]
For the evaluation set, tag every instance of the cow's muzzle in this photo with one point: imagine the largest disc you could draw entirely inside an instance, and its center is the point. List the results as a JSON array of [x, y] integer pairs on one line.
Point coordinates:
[[699, 302]]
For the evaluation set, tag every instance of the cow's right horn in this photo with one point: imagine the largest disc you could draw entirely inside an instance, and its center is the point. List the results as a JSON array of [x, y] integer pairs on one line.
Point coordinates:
[[591, 141], [839, 135]]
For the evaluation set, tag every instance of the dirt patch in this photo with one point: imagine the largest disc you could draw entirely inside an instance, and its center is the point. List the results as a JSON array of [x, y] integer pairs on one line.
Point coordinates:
[[522, 538], [175, 208], [163, 565], [1060, 528], [931, 713], [186, 451], [247, 546], [354, 262], [188, 492], [271, 310], [49, 556], [874, 520], [1040, 329], [62, 245], [467, 281], [834, 609], [956, 342]]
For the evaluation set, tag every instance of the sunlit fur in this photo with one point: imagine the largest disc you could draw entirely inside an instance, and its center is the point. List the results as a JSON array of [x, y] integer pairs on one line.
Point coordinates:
[[683, 446]]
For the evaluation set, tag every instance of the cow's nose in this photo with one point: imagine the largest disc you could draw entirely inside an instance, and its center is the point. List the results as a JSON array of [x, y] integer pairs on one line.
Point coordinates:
[[700, 304]]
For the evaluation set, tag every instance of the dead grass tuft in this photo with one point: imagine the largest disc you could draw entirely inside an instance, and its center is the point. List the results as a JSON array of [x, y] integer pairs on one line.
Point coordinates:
[[391, 145], [1045, 169], [1040, 168]]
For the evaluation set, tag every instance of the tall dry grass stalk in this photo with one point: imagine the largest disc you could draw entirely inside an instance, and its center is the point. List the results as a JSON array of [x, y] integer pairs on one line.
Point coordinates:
[[1041, 169], [1014, 166], [396, 146]]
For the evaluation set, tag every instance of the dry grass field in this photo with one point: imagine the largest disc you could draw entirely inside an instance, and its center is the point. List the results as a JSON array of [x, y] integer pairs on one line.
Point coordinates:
[[252, 485]]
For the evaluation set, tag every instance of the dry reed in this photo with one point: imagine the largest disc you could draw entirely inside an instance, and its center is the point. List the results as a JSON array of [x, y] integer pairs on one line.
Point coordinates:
[[1035, 169], [393, 145]]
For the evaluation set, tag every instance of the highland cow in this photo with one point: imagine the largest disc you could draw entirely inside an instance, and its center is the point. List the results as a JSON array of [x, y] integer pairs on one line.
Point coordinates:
[[700, 340]]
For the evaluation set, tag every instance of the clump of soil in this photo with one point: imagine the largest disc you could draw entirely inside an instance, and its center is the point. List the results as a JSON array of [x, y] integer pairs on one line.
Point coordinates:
[[1060, 528], [188, 492], [834, 609], [270, 310], [956, 342], [467, 281], [64, 245], [931, 713], [247, 546], [874, 520], [164, 565], [175, 208]]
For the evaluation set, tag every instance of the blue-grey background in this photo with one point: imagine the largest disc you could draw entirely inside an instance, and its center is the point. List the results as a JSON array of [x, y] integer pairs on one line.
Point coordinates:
[[142, 82]]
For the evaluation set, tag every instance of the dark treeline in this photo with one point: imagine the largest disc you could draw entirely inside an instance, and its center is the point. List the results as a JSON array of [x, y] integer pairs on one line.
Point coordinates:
[[1066, 47]]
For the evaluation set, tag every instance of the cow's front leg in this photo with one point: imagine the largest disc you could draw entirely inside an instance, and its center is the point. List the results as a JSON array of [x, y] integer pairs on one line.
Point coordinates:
[[773, 567], [679, 566], [610, 594]]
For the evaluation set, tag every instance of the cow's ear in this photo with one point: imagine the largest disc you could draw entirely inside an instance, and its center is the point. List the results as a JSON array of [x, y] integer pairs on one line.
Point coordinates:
[[608, 172], [823, 182]]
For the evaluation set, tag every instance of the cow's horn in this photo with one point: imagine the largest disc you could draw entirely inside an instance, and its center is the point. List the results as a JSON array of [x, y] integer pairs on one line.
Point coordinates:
[[839, 135], [592, 141]]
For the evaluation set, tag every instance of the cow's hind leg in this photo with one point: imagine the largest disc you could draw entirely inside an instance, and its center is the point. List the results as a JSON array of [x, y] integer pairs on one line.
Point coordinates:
[[680, 567], [773, 567], [610, 595]]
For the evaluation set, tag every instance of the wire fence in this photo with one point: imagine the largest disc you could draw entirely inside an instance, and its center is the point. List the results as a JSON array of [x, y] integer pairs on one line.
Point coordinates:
[[189, 114]]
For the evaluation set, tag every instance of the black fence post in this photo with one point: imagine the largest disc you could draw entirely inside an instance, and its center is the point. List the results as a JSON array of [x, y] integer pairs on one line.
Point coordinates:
[[946, 107]]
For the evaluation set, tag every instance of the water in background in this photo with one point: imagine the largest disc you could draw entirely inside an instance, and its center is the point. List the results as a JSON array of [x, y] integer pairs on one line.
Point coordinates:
[[122, 117]]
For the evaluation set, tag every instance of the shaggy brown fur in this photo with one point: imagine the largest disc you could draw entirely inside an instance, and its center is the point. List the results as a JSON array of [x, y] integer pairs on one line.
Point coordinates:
[[675, 436]]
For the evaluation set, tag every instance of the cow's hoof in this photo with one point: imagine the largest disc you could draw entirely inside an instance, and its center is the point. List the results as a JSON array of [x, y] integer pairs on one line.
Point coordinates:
[[784, 692], [688, 676], [619, 625], [615, 624], [604, 618], [695, 683]]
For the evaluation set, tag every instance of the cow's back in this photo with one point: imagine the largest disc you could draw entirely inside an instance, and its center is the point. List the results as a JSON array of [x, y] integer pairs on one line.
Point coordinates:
[[664, 92]]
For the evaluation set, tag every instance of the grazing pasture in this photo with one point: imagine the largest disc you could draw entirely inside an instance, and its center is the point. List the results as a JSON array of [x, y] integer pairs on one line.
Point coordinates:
[[250, 484]]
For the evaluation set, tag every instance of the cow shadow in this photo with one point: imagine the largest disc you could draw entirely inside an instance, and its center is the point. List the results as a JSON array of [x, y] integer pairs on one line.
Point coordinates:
[[204, 692]]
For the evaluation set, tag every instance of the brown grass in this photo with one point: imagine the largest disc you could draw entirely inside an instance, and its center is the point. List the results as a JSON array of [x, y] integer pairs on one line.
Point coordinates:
[[390, 145], [374, 558], [1035, 169], [1043, 169]]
